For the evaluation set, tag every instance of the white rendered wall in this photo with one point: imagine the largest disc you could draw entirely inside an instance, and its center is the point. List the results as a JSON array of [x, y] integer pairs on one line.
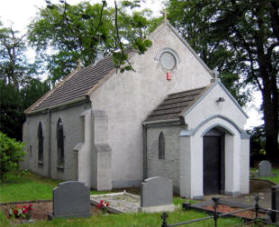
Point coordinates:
[[169, 166], [72, 127], [185, 166], [244, 165], [84, 152], [128, 98], [232, 159], [208, 107], [206, 115]]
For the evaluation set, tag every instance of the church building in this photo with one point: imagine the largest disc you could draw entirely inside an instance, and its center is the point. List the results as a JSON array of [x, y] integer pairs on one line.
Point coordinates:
[[171, 117]]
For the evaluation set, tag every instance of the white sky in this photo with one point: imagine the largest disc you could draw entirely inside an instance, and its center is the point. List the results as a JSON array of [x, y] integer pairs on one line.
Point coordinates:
[[19, 13]]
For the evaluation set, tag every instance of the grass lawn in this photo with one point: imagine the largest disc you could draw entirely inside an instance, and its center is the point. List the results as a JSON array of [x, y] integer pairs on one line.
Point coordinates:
[[129, 220], [33, 187], [274, 178], [26, 186]]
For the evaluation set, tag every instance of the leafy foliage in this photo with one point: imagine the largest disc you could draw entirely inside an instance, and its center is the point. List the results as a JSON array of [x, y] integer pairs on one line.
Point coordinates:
[[10, 110], [82, 33], [13, 102], [13, 64], [11, 152], [237, 38], [257, 144], [19, 89]]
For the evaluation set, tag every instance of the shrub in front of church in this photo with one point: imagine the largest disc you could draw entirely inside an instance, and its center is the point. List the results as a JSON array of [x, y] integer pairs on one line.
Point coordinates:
[[11, 152]]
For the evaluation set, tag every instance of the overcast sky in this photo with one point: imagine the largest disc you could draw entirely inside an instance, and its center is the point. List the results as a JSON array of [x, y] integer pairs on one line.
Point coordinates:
[[19, 13]]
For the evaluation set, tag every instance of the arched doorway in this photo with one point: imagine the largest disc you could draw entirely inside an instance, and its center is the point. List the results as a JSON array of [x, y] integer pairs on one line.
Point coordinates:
[[213, 162]]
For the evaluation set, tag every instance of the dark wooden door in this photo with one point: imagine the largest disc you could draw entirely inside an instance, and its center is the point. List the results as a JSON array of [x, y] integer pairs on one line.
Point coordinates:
[[213, 165]]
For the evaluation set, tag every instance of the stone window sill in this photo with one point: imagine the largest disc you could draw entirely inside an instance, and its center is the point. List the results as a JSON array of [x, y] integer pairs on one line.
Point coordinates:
[[60, 167], [40, 163]]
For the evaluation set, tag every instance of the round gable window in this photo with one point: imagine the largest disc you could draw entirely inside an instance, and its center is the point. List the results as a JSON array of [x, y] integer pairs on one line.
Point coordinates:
[[168, 60]]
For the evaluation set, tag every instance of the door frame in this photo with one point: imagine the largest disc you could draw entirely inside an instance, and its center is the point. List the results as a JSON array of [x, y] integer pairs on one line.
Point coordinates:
[[220, 133]]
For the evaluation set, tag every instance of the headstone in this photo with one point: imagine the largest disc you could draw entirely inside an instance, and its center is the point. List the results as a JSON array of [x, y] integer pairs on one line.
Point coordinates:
[[265, 169], [71, 199], [156, 195], [275, 204]]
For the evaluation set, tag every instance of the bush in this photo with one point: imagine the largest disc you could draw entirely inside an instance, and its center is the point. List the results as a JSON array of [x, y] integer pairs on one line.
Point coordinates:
[[11, 152]]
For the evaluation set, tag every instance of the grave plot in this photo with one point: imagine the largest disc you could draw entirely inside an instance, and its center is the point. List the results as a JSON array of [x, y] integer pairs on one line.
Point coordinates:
[[71, 199], [120, 202], [228, 207], [156, 196], [41, 209], [265, 169]]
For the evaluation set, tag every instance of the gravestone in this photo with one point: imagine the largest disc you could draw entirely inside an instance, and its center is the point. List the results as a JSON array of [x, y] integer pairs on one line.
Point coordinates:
[[275, 203], [71, 199], [156, 195], [265, 169]]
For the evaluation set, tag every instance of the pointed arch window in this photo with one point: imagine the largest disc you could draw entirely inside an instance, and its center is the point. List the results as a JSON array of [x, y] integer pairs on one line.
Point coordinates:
[[40, 144], [161, 146], [60, 143]]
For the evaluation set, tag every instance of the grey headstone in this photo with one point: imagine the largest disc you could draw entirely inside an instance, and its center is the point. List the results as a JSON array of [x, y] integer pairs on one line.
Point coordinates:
[[265, 169], [71, 199], [275, 203], [156, 191]]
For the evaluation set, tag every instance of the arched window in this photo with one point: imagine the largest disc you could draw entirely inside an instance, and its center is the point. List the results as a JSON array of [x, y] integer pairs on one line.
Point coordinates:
[[40, 144], [60, 143], [161, 146]]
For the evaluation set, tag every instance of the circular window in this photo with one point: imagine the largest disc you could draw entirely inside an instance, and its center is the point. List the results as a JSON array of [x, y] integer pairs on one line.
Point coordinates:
[[168, 60]]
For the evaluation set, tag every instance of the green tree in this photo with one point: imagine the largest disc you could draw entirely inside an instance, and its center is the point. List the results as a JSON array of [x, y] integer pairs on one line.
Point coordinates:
[[11, 111], [12, 64], [237, 38], [14, 101], [18, 88], [79, 33], [11, 152]]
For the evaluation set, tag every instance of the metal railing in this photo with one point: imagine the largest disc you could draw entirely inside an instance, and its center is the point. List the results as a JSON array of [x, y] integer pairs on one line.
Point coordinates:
[[216, 215]]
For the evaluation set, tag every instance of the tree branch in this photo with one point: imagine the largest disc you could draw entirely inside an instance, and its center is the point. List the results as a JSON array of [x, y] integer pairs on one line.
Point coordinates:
[[118, 36]]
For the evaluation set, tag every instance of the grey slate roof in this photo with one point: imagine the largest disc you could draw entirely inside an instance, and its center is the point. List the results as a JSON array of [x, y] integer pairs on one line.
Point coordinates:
[[175, 104], [75, 86]]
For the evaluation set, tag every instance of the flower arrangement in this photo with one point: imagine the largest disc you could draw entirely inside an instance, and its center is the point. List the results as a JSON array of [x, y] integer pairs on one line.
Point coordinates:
[[21, 211], [103, 205]]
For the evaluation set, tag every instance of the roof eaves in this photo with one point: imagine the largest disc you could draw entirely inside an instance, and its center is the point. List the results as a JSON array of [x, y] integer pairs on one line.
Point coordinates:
[[168, 121], [77, 100]]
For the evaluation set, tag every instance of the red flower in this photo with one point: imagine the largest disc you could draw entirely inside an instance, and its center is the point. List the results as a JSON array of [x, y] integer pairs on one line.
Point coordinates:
[[15, 211]]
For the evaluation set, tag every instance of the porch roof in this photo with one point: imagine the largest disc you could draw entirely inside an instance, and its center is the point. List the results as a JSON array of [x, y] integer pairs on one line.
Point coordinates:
[[175, 105]]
